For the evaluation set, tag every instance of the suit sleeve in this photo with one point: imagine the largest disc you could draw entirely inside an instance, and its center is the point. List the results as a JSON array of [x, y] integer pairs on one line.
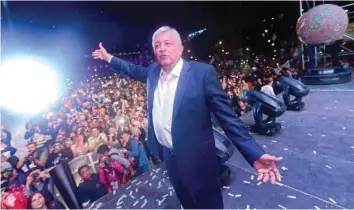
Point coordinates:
[[133, 71], [234, 128]]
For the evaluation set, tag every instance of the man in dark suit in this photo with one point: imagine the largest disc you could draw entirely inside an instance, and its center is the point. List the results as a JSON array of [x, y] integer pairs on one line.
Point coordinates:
[[181, 97]]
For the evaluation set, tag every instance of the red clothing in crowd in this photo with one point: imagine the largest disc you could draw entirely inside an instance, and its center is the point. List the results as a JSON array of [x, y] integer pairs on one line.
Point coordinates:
[[111, 177]]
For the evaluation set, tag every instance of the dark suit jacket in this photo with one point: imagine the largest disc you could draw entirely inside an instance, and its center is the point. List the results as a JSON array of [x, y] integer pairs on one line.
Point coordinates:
[[198, 94]]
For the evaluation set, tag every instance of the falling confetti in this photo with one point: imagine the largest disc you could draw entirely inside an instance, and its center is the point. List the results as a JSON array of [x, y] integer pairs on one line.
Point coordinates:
[[136, 202], [328, 166], [145, 201], [314, 152], [280, 206], [284, 168], [291, 196], [246, 182], [333, 201], [259, 183], [238, 195], [226, 187], [316, 207]]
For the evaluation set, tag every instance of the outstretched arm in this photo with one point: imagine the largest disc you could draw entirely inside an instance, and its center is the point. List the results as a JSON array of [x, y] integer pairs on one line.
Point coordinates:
[[233, 126], [120, 66]]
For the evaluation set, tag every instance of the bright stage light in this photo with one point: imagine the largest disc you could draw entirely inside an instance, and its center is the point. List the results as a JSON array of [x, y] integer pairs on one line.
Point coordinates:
[[27, 86]]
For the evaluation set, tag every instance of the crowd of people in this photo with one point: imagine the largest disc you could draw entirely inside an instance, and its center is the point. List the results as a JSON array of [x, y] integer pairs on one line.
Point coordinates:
[[107, 117]]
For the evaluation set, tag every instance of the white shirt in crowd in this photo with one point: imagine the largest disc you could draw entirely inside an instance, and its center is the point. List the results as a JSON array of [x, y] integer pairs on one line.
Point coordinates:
[[163, 104], [268, 89]]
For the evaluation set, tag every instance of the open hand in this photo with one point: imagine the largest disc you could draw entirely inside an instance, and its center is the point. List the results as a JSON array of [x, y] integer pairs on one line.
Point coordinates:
[[266, 168], [101, 53]]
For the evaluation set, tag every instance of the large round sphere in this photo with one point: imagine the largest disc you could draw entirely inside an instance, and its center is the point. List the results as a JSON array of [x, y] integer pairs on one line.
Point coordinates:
[[323, 24]]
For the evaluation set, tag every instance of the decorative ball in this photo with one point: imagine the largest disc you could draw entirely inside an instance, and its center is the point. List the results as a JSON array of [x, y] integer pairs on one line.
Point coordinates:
[[323, 24]]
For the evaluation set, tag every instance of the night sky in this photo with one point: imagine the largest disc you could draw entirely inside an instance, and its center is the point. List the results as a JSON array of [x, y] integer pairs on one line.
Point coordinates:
[[69, 30]]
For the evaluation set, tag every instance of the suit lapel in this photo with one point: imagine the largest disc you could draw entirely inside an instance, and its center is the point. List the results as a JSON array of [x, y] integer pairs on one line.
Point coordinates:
[[152, 83], [182, 87]]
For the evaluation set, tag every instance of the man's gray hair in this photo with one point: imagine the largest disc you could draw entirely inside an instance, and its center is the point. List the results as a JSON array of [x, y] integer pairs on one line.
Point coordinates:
[[166, 29]]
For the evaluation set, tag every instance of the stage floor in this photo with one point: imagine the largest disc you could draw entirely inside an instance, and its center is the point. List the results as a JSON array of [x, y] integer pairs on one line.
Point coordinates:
[[318, 167]]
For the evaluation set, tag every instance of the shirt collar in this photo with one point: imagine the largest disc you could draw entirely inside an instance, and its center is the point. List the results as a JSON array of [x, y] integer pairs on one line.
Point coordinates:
[[176, 71]]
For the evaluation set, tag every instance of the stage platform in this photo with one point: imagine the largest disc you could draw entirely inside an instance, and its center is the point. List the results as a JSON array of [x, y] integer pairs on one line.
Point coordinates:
[[318, 167]]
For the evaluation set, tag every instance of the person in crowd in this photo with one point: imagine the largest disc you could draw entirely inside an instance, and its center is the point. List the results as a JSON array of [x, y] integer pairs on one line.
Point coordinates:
[[38, 200], [194, 179], [135, 151], [115, 154], [268, 87], [90, 189], [11, 176], [34, 158], [112, 173], [96, 139], [58, 153], [40, 181]]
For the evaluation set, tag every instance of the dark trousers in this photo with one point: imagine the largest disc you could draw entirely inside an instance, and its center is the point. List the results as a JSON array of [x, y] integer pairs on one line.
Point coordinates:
[[207, 197]]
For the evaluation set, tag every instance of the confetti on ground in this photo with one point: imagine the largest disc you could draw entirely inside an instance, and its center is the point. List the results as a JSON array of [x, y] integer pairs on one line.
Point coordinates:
[[119, 207], [133, 181], [136, 202], [157, 170], [252, 177], [136, 190], [316, 207], [248, 207], [131, 194], [181, 207], [145, 201], [291, 196], [323, 135], [165, 196], [333, 201], [226, 187], [150, 184], [114, 192], [170, 188], [129, 187], [335, 107], [120, 199], [324, 118], [351, 110], [142, 197], [230, 194], [246, 182], [353, 147], [153, 177], [161, 201], [171, 193], [309, 134], [285, 149], [238, 195], [151, 173], [284, 168], [274, 141], [314, 152], [280, 206], [138, 183], [146, 181], [259, 183], [264, 146], [344, 128], [278, 183], [328, 166]]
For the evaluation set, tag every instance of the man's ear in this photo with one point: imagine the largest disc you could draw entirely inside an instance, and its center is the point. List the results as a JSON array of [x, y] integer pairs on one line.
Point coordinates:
[[181, 50]]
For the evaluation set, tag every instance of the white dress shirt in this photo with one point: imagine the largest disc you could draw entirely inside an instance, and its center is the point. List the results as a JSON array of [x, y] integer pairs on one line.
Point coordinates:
[[268, 89], [164, 97]]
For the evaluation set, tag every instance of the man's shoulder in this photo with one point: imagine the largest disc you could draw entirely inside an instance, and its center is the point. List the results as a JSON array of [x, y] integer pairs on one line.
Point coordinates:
[[200, 65]]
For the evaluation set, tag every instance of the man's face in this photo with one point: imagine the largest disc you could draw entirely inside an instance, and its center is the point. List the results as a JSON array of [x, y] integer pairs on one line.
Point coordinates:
[[85, 173], [125, 137], [31, 148], [167, 49], [94, 132]]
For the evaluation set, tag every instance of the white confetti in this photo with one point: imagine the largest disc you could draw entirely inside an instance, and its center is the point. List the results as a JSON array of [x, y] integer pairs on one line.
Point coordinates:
[[246, 182], [151, 173], [165, 196], [145, 201], [282, 121], [119, 207], [238, 195], [157, 170], [264, 146], [316, 207], [259, 183], [280, 206], [230, 194], [114, 192], [274, 141], [344, 128], [323, 135], [153, 177], [128, 187], [136, 202], [353, 147], [146, 181], [285, 149], [248, 207], [291, 196], [314, 152], [161, 201], [226, 187], [181, 207], [284, 168], [142, 197], [150, 184], [252, 177], [324, 118], [328, 166], [278, 183], [171, 193], [138, 183], [170, 188], [309, 134], [120, 199], [352, 110], [133, 181], [136, 190], [131, 194], [335, 107], [333, 201]]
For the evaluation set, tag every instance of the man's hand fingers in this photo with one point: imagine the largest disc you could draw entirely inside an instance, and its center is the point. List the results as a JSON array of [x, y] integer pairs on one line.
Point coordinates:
[[101, 46], [266, 177], [260, 176], [277, 174], [272, 177]]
